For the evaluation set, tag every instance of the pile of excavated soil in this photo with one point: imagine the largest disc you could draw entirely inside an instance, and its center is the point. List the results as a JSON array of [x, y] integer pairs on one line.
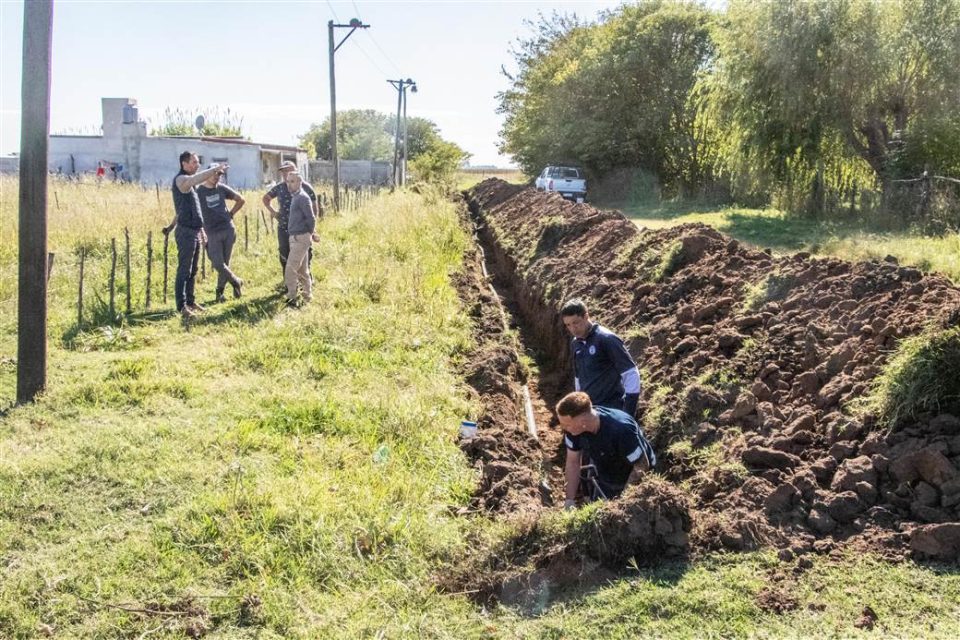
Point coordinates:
[[751, 365]]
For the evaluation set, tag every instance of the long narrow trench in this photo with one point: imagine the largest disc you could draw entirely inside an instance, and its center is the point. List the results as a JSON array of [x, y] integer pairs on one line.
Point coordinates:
[[549, 377]]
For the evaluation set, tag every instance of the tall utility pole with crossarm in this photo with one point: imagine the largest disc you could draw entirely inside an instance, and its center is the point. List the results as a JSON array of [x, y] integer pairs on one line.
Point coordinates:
[[353, 25], [399, 175]]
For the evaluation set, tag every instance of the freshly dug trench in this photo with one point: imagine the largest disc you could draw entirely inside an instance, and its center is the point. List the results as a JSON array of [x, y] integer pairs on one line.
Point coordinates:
[[506, 455], [752, 365]]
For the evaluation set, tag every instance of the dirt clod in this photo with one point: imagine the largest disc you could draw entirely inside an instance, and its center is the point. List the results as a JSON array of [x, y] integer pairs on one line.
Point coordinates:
[[759, 358]]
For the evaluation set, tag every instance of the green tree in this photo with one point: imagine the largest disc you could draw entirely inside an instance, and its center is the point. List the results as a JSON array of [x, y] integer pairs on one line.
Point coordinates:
[[366, 134], [812, 99], [217, 122], [612, 94], [362, 134], [438, 164]]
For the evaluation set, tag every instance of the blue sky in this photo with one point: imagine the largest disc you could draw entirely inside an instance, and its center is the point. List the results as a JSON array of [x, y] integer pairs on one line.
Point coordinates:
[[268, 62]]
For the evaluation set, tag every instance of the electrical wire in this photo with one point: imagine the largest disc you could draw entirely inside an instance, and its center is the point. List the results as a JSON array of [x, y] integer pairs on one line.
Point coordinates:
[[333, 11]]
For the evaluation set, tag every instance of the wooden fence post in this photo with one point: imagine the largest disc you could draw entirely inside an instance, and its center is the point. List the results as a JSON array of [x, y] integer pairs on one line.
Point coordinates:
[[157, 184], [265, 226], [126, 236], [258, 229], [166, 245], [149, 267], [50, 256], [113, 279], [246, 235], [83, 254]]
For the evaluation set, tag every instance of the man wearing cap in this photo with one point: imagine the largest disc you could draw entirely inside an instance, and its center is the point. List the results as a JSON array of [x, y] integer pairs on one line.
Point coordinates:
[[189, 225], [221, 234], [282, 194]]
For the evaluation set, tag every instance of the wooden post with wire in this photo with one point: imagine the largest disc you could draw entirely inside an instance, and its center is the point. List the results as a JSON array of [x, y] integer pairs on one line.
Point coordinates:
[[166, 248], [126, 236], [113, 279], [83, 255], [149, 267]]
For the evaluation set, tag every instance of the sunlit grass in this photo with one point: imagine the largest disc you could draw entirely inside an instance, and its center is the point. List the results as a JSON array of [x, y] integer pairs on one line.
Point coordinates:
[[279, 473], [769, 228]]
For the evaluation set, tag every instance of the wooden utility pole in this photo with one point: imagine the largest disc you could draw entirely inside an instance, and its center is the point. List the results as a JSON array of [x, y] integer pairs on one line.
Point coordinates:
[[400, 171], [353, 26], [34, 138]]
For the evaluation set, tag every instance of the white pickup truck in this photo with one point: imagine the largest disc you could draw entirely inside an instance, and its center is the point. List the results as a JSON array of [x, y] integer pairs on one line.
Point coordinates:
[[569, 182]]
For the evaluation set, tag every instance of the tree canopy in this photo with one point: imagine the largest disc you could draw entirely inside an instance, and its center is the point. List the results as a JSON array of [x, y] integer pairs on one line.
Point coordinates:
[[367, 134], [803, 102]]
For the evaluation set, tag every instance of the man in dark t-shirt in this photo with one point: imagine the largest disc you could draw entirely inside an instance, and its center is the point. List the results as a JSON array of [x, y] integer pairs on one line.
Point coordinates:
[[221, 233], [602, 366], [282, 216], [188, 222], [606, 449]]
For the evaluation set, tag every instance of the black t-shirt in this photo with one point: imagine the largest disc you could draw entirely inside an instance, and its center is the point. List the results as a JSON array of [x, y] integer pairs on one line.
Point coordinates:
[[213, 202], [282, 194], [614, 448], [598, 361]]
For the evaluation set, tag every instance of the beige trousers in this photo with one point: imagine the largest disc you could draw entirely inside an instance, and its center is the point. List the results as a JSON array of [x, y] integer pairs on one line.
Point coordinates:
[[298, 268]]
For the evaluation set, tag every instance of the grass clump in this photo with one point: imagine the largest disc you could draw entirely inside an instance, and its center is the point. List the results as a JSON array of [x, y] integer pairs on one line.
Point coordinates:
[[670, 261], [920, 378], [772, 288]]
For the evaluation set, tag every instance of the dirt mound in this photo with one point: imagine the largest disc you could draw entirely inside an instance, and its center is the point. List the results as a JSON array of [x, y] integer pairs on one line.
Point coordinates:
[[751, 365], [549, 553]]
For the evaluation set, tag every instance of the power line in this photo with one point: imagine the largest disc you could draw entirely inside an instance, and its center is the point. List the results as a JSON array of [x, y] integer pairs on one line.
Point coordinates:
[[371, 60], [375, 43], [333, 11], [384, 53]]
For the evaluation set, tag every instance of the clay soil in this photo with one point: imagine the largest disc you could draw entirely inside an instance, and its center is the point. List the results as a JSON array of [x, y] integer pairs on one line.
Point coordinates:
[[752, 366]]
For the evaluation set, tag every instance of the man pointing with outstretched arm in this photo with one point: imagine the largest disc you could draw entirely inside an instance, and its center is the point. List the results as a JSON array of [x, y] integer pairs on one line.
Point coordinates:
[[189, 225]]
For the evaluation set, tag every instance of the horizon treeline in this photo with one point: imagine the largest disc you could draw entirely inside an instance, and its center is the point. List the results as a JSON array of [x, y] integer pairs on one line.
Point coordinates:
[[812, 106]]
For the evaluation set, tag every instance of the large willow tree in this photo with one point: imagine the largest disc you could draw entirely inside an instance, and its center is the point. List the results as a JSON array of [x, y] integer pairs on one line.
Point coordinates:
[[810, 100]]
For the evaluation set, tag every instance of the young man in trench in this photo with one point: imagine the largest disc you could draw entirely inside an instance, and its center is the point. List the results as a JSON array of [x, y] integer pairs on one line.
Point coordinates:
[[606, 449], [602, 366]]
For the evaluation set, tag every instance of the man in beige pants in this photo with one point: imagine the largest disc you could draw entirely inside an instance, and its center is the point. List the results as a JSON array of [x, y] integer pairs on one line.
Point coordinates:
[[301, 226]]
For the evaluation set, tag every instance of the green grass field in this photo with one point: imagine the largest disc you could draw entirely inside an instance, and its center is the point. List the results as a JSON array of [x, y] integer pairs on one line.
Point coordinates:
[[277, 473], [770, 228]]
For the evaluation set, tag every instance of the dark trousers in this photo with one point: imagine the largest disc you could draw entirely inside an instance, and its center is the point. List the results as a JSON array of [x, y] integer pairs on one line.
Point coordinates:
[[188, 259], [283, 243], [220, 247]]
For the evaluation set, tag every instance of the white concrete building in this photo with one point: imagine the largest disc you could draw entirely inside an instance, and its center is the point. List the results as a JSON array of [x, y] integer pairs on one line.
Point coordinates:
[[154, 159]]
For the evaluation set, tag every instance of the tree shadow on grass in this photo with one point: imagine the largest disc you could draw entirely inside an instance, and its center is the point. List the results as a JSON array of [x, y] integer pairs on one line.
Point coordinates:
[[781, 233], [661, 210]]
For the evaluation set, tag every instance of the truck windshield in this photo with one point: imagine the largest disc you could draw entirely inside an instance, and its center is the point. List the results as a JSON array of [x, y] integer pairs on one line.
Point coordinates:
[[564, 172]]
